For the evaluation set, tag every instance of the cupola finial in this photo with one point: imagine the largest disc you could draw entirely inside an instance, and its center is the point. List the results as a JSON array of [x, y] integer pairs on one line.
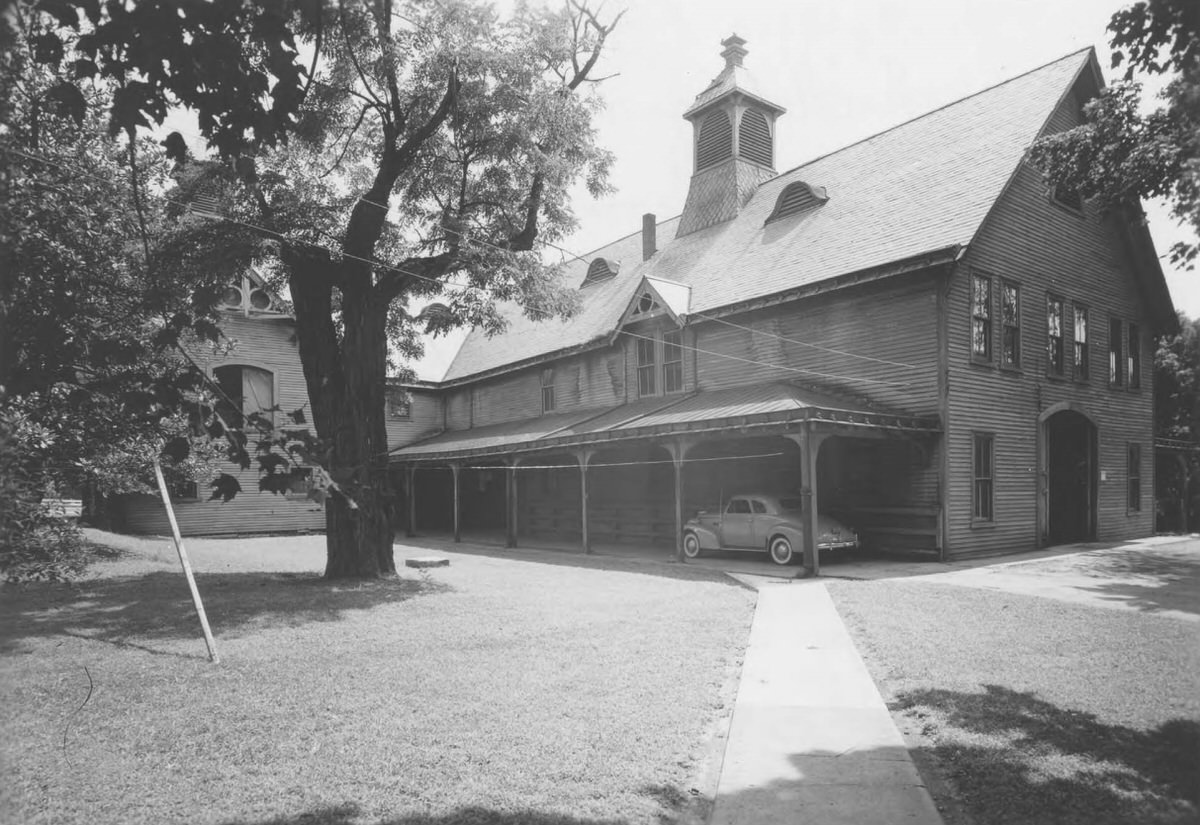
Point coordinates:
[[733, 52]]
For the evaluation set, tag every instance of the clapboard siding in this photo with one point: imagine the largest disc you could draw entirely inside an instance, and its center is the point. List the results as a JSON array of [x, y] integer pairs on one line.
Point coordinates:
[[268, 343], [1045, 248], [889, 324], [424, 420]]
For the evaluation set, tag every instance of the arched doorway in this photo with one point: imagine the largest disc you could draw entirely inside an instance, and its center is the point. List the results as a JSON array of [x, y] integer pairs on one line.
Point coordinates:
[[1071, 468]]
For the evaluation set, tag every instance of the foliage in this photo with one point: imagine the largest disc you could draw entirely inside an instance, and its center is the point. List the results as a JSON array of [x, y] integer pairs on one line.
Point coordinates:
[[33, 543], [1177, 417], [1121, 154]]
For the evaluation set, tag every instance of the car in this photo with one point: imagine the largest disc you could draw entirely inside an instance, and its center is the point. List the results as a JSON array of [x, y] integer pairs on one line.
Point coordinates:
[[763, 522]]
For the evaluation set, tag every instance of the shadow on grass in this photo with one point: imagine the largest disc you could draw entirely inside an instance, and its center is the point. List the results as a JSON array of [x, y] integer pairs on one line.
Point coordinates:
[[1163, 582], [134, 611], [472, 815], [1013, 757]]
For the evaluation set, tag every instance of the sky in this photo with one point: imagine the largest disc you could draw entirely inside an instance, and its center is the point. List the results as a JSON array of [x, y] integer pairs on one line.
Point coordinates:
[[843, 69]]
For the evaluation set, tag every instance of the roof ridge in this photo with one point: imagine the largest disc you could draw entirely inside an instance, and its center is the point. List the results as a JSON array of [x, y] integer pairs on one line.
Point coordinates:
[[944, 106], [615, 241]]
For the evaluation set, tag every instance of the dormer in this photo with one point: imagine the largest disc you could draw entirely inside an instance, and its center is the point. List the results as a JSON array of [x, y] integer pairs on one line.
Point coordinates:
[[733, 143], [600, 269], [795, 198]]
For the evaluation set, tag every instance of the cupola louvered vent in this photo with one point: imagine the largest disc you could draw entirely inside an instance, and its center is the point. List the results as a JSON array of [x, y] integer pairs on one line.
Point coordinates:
[[754, 138], [601, 269], [797, 197], [715, 142]]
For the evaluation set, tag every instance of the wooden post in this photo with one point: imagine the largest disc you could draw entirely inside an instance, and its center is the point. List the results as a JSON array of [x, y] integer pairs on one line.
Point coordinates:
[[412, 501], [183, 561], [510, 490], [810, 444], [584, 456], [678, 450], [455, 468], [1183, 492]]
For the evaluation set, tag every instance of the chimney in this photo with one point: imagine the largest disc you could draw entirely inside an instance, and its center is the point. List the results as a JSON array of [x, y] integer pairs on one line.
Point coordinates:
[[649, 235]]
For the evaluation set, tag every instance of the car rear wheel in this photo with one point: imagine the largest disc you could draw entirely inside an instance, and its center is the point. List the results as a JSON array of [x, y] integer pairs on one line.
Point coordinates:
[[780, 549], [691, 545]]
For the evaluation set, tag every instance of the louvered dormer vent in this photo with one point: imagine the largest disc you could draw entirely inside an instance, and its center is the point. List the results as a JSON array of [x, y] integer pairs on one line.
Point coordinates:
[[715, 141], [797, 197], [601, 269]]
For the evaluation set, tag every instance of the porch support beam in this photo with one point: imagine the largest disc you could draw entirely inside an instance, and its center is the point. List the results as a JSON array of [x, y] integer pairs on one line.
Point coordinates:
[[584, 457], [679, 448], [510, 491], [455, 469], [810, 444], [410, 529]]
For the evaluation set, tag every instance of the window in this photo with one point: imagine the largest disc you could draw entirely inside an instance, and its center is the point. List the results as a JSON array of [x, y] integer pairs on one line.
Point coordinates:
[[1054, 335], [247, 396], [299, 482], [1081, 343], [399, 404], [981, 317], [600, 269], [738, 506], [983, 475], [180, 490], [797, 197], [1115, 361], [672, 361], [1134, 477], [759, 507], [1134, 370], [647, 366], [1065, 196], [548, 390], [1010, 325]]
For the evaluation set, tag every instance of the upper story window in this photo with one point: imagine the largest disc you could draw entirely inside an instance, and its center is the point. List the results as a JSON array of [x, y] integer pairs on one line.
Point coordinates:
[[399, 403], [1081, 343], [647, 366], [1067, 197], [548, 402], [246, 397], [797, 197], [672, 360], [981, 317], [1134, 370], [1116, 361], [1010, 325], [1054, 335], [754, 137], [714, 143]]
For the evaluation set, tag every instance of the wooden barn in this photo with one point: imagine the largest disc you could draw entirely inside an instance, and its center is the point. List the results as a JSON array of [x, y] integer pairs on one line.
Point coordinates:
[[911, 332]]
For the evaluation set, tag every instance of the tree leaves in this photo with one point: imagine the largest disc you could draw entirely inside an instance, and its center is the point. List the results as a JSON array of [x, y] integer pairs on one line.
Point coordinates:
[[224, 487]]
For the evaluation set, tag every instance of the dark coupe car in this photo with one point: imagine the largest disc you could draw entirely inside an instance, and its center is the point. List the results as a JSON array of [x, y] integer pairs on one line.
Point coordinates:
[[764, 523]]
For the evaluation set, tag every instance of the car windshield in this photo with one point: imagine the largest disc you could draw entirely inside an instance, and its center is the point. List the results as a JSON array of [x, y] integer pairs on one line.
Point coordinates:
[[790, 504]]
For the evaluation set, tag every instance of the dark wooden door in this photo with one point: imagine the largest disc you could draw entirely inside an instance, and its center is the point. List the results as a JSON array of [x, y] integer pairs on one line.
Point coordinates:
[[1071, 466]]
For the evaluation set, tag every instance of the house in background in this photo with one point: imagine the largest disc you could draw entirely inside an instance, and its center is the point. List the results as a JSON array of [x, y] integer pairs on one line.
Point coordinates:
[[910, 332]]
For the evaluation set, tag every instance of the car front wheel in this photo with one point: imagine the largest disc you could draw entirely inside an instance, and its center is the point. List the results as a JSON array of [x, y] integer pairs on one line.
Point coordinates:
[[781, 550], [691, 545]]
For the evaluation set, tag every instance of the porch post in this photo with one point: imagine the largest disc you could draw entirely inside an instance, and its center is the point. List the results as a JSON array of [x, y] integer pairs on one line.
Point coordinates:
[[678, 449], [1183, 492], [455, 467], [411, 528], [810, 444], [510, 490], [584, 457]]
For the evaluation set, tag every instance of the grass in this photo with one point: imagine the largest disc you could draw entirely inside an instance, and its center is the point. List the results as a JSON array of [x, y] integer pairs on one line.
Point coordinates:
[[492, 691], [1034, 710]]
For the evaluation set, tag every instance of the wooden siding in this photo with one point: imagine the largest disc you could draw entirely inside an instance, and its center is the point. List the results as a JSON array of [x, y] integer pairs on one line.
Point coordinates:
[[268, 343], [424, 419], [890, 323], [1045, 248]]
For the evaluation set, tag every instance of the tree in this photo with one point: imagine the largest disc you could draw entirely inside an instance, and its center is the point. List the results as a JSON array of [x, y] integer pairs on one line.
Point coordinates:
[[1177, 415], [429, 148], [1121, 154]]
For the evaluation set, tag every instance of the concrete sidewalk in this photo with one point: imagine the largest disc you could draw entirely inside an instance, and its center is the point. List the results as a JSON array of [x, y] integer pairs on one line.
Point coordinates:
[[810, 740]]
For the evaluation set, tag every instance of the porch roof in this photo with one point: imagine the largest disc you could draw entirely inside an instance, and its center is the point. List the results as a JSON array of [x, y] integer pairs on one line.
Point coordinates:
[[750, 407]]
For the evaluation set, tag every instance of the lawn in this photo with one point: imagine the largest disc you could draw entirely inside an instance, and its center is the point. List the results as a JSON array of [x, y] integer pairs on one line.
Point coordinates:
[[492, 691], [1034, 710]]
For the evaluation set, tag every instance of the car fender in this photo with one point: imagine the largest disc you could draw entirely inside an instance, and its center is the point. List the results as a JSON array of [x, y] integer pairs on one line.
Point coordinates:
[[709, 540], [793, 534]]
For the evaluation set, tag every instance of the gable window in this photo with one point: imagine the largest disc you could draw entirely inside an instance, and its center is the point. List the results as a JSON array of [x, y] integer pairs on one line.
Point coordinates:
[[247, 395], [1081, 343], [981, 317], [1115, 359], [548, 390], [1134, 370], [1133, 477], [399, 404], [1054, 335], [984, 448], [672, 361], [647, 366], [1010, 325]]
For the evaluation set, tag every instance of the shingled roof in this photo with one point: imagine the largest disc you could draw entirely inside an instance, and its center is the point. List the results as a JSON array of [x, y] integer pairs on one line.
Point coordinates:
[[925, 185]]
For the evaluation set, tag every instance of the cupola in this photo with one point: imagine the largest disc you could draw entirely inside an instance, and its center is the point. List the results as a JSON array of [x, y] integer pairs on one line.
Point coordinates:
[[733, 143]]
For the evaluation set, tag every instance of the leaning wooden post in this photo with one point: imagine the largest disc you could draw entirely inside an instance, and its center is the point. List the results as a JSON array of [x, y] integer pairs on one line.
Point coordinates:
[[183, 560]]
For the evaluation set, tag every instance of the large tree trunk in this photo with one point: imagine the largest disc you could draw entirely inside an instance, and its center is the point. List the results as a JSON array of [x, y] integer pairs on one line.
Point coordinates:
[[346, 379]]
